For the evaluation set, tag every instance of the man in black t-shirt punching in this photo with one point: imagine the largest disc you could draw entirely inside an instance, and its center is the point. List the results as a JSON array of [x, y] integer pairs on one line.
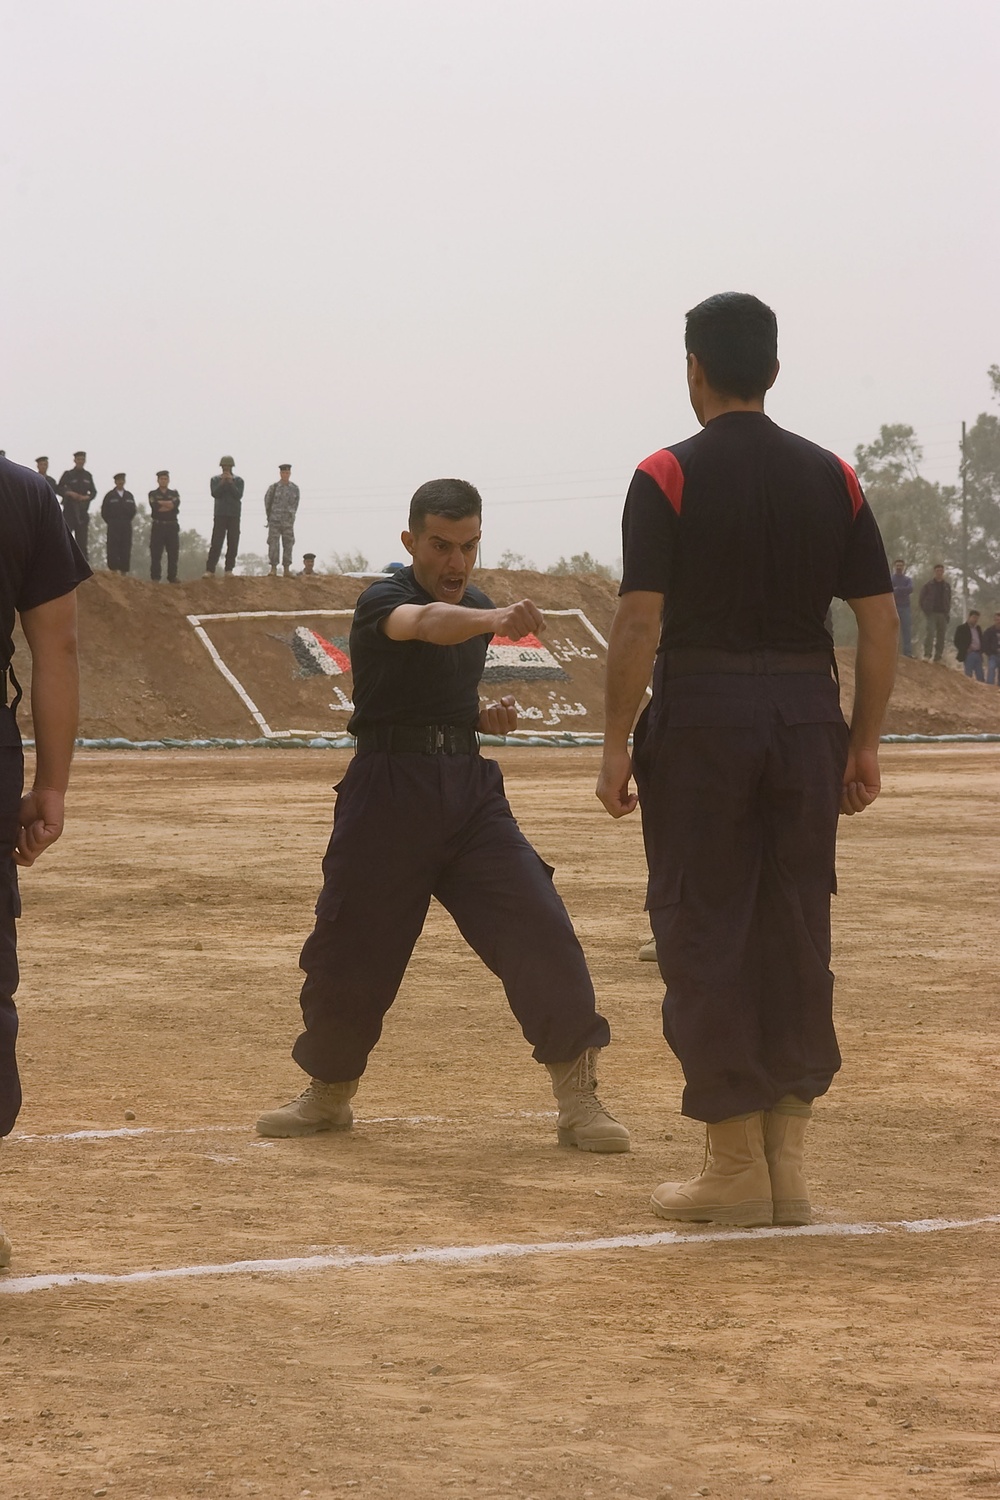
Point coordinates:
[[419, 814], [40, 567], [735, 542]]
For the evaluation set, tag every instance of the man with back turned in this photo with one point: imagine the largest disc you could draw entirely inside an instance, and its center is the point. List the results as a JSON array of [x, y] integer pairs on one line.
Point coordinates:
[[421, 813], [735, 541]]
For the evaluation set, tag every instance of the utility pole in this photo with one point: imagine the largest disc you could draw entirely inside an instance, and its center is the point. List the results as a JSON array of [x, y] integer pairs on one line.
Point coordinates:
[[965, 532]]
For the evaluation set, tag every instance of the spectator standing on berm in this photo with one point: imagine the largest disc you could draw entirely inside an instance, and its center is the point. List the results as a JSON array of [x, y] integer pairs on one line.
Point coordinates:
[[935, 603], [991, 649], [281, 504], [227, 499], [902, 589], [421, 813], [739, 537], [118, 509], [165, 529], [42, 465], [969, 646], [77, 489], [40, 567]]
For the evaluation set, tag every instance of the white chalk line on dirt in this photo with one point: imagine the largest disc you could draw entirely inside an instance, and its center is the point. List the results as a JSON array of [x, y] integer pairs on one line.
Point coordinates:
[[127, 1132], [449, 1255]]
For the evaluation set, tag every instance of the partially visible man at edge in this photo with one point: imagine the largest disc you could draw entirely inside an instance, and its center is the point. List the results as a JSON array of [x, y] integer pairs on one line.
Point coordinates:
[[735, 540], [40, 569]]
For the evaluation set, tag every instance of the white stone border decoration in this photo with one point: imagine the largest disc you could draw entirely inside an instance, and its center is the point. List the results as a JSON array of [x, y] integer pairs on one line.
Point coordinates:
[[198, 621]]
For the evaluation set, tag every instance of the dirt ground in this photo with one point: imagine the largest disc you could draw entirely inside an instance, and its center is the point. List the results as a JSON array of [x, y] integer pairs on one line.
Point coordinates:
[[159, 955]]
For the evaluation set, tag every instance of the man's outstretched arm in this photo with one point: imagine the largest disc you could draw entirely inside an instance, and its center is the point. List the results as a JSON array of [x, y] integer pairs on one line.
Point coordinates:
[[451, 624], [874, 674], [50, 630], [631, 651]]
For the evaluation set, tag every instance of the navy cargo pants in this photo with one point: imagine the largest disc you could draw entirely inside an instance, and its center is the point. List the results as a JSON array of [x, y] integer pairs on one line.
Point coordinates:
[[11, 781], [408, 827], [739, 781]]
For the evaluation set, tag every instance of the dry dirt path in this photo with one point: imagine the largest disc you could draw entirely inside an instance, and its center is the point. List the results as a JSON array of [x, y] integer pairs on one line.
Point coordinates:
[[159, 956]]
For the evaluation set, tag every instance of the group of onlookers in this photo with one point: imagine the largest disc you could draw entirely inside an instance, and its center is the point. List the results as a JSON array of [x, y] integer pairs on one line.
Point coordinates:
[[978, 650], [76, 490]]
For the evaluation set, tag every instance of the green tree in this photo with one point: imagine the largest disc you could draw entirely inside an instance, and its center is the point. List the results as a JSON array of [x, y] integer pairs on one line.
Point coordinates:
[[982, 473], [516, 562], [917, 519], [348, 562], [582, 562]]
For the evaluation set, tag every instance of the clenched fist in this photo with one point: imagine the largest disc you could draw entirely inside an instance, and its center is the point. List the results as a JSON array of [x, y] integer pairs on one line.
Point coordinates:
[[518, 620], [498, 718]]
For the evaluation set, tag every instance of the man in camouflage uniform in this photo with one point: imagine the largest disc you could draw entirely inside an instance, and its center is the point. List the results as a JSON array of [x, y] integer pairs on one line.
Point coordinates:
[[280, 505]]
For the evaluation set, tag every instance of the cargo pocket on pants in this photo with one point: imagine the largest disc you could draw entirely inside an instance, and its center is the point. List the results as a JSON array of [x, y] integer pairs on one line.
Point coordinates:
[[664, 889]]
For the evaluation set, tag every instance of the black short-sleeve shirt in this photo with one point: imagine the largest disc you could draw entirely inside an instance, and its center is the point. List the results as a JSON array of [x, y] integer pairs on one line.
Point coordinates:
[[748, 532], [412, 682], [39, 560]]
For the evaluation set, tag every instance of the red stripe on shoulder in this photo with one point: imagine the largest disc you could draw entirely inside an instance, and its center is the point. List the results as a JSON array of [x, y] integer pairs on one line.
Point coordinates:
[[853, 486], [665, 471]]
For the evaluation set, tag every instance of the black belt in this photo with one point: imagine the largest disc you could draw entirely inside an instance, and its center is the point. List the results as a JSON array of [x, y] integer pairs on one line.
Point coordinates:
[[689, 661], [419, 739]]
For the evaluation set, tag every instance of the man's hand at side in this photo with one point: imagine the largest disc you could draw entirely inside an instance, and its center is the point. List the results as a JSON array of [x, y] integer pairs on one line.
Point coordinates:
[[874, 673], [40, 824], [613, 783], [862, 782], [50, 631], [631, 650], [498, 718]]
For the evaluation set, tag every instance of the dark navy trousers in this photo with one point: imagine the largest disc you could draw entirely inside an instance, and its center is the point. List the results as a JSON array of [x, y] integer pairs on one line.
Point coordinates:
[[11, 784], [739, 781], [408, 827]]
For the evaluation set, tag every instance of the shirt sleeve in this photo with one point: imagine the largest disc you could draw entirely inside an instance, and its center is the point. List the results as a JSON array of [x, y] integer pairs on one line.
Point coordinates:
[[865, 568], [649, 538], [374, 606], [56, 565]]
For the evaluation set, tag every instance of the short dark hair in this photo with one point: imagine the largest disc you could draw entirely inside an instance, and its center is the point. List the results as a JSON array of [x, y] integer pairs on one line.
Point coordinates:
[[734, 337], [453, 498]]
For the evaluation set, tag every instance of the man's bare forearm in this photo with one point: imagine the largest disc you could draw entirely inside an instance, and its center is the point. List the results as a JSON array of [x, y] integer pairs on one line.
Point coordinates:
[[631, 652], [50, 632], [875, 668], [451, 624]]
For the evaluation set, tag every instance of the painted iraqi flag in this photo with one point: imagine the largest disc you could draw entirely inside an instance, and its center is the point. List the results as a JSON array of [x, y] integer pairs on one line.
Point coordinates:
[[316, 655], [526, 660]]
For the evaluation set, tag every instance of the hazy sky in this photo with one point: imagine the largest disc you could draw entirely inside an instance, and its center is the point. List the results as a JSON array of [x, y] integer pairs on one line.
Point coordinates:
[[387, 241]]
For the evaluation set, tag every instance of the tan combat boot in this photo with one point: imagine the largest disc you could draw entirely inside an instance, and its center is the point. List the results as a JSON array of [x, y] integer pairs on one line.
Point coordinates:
[[734, 1186], [583, 1121], [322, 1106], [784, 1136], [647, 953]]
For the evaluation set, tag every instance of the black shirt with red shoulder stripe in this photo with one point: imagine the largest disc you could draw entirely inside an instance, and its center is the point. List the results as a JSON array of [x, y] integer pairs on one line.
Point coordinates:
[[748, 532]]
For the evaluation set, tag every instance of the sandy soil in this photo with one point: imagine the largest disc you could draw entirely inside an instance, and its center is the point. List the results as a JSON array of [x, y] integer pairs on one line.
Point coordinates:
[[159, 951]]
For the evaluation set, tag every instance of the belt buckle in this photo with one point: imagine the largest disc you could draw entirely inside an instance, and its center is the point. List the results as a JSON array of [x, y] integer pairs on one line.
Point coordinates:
[[439, 738]]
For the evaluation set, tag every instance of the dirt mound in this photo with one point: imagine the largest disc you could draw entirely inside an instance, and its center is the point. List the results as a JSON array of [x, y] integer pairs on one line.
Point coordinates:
[[246, 657]]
